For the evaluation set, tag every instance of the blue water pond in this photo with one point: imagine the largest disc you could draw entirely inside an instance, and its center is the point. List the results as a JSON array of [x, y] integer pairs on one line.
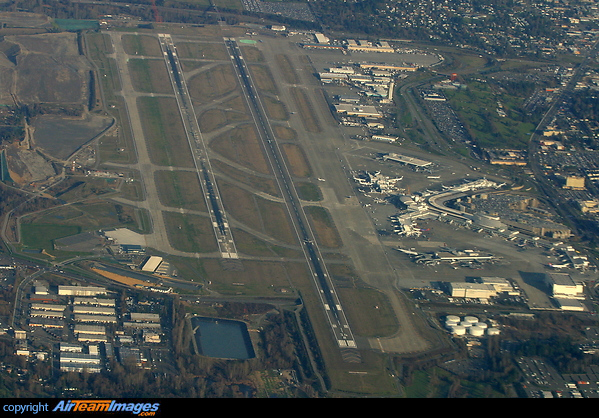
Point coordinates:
[[222, 338]]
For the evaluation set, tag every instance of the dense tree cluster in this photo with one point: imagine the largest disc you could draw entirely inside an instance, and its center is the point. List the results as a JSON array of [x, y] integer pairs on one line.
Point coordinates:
[[9, 198], [585, 105]]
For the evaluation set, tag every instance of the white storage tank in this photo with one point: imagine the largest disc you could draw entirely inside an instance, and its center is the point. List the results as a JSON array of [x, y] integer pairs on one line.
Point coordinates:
[[459, 330], [451, 324], [452, 318], [471, 319], [466, 324], [481, 324], [476, 331]]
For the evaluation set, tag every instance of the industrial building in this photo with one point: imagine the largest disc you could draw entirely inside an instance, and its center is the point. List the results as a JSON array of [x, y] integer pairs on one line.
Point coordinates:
[[365, 111], [365, 46], [70, 347], [501, 285], [151, 337], [107, 319], [156, 265], [329, 77], [46, 322], [144, 317], [71, 361], [94, 301], [342, 70], [46, 311], [575, 183], [81, 290], [507, 157], [321, 39], [472, 290], [563, 286], [151, 263], [93, 310], [89, 329], [589, 206], [566, 304], [92, 338], [48, 307], [42, 313], [142, 325]]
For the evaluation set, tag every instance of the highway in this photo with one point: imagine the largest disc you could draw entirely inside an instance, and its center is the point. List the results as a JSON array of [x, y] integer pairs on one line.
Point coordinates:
[[561, 206], [197, 146], [324, 286]]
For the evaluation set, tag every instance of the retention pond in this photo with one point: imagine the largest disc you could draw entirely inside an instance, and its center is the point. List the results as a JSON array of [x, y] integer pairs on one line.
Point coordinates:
[[222, 338]]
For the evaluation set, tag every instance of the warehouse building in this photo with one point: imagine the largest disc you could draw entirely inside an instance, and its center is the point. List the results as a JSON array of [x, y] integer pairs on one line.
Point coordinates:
[[151, 263], [151, 337], [93, 310], [78, 362], [142, 325], [89, 329], [365, 111], [40, 313], [365, 46], [94, 301], [321, 39], [48, 307], [92, 338], [501, 285], [156, 265], [144, 317], [46, 322], [81, 290], [105, 319], [570, 304], [46, 310], [472, 290], [70, 347], [329, 77]]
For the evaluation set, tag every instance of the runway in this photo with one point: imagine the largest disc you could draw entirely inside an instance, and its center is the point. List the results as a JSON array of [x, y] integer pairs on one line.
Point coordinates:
[[325, 289], [197, 146]]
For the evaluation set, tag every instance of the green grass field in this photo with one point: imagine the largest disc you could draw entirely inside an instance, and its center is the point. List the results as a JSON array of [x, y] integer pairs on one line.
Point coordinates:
[[190, 233], [165, 134], [42, 236], [477, 107]]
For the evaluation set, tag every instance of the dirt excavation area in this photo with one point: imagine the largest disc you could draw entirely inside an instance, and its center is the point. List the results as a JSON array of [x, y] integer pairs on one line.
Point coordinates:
[[43, 68], [45, 87]]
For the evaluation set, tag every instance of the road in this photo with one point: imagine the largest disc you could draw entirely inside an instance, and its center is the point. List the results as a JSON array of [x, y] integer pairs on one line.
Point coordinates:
[[562, 207], [322, 280]]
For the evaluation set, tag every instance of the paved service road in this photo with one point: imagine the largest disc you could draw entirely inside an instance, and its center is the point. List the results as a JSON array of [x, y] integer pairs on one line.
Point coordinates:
[[158, 238]]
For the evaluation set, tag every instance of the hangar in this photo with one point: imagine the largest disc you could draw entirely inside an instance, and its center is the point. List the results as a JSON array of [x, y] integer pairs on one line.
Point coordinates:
[[358, 110]]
